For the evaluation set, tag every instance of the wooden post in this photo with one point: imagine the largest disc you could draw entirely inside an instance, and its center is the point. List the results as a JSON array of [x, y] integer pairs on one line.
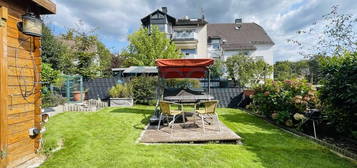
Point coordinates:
[[3, 87], [37, 56]]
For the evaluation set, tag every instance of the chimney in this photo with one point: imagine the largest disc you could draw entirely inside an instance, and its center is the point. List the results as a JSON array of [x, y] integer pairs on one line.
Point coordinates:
[[238, 21], [164, 9]]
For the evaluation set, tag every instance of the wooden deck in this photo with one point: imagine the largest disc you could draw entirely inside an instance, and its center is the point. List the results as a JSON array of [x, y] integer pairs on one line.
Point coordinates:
[[190, 132]]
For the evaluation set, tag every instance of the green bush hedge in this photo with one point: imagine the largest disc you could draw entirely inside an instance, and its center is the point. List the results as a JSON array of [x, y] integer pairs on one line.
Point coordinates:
[[338, 93], [121, 91], [144, 89], [284, 101], [182, 83]]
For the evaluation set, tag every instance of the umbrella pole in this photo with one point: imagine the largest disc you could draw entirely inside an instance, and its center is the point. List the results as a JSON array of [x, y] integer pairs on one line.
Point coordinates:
[[209, 81]]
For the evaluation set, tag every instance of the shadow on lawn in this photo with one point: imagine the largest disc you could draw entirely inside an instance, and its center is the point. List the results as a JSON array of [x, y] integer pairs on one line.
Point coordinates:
[[280, 150], [146, 114]]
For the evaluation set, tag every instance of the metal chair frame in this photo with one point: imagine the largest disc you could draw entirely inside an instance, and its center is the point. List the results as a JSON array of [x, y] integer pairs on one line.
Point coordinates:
[[209, 111], [166, 111]]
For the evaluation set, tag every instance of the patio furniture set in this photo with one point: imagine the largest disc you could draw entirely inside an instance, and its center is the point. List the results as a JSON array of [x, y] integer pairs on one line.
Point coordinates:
[[208, 109]]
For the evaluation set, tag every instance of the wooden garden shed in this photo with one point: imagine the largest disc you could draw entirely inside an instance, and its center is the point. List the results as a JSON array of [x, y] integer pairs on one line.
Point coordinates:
[[20, 66]]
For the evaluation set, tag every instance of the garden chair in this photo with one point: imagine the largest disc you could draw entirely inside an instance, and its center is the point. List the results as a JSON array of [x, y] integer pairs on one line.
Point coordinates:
[[209, 109], [166, 109]]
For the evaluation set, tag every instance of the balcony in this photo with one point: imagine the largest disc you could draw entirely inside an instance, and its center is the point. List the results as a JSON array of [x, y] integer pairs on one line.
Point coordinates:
[[184, 35]]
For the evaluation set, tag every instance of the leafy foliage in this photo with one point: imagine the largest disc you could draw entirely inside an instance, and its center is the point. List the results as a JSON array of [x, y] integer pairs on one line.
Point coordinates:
[[76, 52], [304, 69], [148, 45], [52, 100], [281, 100], [56, 53], [334, 34], [51, 76], [217, 69], [121, 91], [182, 83], [244, 70], [339, 91], [144, 89]]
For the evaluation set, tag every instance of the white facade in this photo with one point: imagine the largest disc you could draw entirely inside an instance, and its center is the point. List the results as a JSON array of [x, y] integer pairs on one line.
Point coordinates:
[[191, 40], [263, 51]]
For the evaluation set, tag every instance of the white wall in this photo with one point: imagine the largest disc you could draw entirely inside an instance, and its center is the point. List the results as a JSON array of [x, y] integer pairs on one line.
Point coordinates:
[[265, 50], [201, 37]]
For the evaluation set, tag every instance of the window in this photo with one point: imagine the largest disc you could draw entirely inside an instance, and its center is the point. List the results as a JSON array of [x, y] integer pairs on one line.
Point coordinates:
[[215, 44], [184, 34], [188, 52]]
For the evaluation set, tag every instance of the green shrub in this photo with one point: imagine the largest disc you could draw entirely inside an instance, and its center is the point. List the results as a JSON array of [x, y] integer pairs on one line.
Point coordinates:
[[52, 100], [282, 100], [182, 83], [339, 91], [144, 89], [121, 91]]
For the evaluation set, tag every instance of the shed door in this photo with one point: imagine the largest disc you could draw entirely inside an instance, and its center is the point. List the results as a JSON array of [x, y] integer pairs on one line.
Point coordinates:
[[3, 86]]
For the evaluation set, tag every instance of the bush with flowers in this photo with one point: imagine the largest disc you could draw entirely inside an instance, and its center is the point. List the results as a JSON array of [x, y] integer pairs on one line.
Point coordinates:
[[284, 101]]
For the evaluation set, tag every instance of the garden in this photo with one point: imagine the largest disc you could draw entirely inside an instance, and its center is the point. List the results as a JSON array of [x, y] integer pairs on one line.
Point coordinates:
[[107, 138], [309, 101]]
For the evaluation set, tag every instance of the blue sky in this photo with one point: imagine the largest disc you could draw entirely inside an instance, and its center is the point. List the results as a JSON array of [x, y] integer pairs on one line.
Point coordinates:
[[115, 19]]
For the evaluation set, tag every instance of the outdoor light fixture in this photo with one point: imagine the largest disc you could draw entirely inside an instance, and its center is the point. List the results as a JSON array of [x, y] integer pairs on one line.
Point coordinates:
[[31, 25]]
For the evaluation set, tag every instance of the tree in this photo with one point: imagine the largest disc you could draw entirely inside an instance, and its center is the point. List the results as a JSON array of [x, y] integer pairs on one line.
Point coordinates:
[[283, 70], [334, 34], [90, 56], [55, 53], [244, 70], [145, 47], [261, 70], [217, 69], [105, 58], [338, 93]]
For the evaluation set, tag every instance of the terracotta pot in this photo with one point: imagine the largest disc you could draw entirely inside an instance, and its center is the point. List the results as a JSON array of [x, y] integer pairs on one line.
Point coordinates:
[[77, 95], [248, 92]]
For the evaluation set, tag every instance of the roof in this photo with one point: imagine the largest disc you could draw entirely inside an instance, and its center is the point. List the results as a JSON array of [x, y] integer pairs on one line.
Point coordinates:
[[45, 6], [141, 69], [183, 68], [245, 37], [147, 18], [190, 22]]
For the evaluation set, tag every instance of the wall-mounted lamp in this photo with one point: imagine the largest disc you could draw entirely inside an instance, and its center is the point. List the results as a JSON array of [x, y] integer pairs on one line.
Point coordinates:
[[30, 25]]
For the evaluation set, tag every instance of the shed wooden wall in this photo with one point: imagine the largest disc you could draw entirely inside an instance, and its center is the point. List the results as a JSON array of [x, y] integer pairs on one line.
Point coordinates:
[[20, 55]]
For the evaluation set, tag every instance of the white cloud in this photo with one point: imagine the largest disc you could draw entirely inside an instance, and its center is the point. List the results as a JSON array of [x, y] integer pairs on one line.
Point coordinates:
[[115, 19]]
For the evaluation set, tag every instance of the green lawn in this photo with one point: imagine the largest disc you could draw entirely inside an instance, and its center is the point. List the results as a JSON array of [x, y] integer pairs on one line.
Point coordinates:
[[107, 139]]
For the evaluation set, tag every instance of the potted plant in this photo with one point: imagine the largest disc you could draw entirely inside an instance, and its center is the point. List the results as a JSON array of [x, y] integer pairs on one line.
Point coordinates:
[[121, 95], [77, 95]]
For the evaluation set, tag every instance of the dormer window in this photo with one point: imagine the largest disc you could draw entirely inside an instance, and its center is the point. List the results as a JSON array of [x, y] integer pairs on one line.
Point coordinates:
[[216, 44]]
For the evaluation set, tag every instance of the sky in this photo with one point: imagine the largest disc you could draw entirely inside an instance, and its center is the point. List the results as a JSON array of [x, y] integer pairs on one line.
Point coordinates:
[[114, 20]]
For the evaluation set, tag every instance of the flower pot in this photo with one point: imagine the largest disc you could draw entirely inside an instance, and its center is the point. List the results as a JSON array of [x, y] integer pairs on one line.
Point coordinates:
[[77, 95], [120, 102], [248, 92]]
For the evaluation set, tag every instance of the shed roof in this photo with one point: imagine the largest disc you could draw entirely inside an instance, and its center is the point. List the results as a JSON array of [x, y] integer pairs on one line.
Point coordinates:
[[239, 36], [45, 6], [141, 69]]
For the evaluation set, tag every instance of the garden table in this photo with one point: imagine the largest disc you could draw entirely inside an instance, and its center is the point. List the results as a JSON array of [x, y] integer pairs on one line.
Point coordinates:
[[188, 98]]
